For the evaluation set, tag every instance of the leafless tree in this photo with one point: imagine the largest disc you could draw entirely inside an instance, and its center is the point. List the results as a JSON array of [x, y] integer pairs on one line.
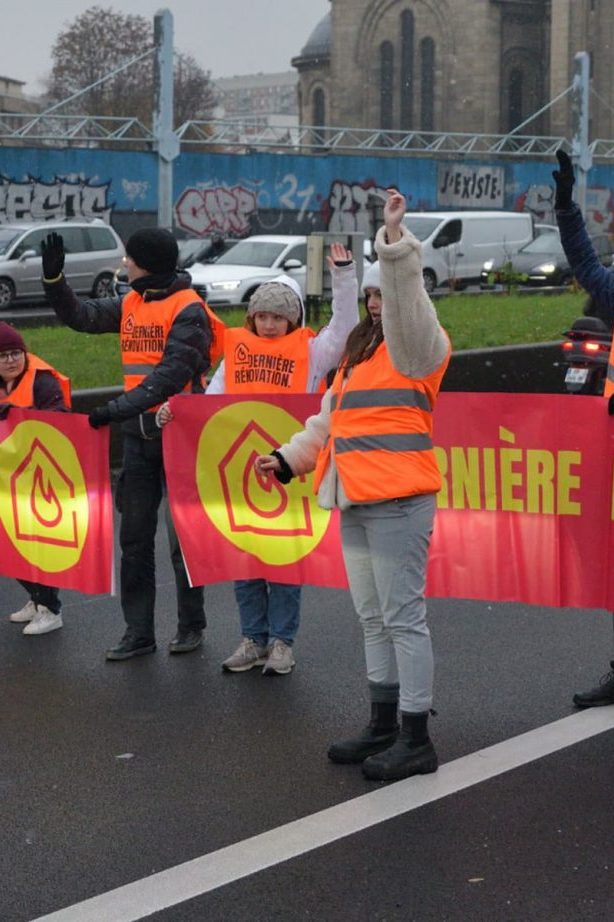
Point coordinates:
[[99, 41]]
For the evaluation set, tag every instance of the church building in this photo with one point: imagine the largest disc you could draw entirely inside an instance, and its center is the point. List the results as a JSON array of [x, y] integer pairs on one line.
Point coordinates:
[[476, 66]]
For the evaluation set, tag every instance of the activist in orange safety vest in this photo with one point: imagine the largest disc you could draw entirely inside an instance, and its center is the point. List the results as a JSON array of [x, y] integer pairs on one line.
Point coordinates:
[[276, 354], [30, 383], [371, 446], [166, 338], [598, 281]]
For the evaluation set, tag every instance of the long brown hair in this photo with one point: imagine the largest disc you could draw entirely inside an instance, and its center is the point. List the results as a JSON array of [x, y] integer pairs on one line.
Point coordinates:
[[362, 342]]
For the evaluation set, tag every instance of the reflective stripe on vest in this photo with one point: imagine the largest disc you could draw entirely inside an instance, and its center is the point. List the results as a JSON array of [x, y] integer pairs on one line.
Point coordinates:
[[416, 441], [381, 431], [23, 395], [386, 397], [257, 365]]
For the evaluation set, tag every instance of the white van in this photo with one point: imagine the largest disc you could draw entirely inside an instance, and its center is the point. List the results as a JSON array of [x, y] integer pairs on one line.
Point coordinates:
[[456, 244]]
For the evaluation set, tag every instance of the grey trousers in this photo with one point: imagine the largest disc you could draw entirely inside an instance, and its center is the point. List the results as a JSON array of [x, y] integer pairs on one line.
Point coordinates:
[[385, 548]]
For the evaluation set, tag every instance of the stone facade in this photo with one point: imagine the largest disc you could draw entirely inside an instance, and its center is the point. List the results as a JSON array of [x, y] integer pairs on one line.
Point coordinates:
[[478, 66]]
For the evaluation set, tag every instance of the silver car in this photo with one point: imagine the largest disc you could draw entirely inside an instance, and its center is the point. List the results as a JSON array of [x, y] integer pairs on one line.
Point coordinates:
[[234, 277], [93, 251]]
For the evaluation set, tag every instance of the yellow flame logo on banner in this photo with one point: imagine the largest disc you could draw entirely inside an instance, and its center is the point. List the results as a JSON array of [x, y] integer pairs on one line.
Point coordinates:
[[43, 496], [277, 524]]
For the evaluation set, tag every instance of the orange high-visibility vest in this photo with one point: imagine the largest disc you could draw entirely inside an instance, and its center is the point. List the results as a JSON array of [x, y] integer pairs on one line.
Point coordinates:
[[381, 427], [257, 365], [145, 327], [23, 394]]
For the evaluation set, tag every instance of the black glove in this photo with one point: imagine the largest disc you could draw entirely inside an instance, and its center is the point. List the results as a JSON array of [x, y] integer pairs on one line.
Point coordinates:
[[4, 410], [285, 475], [52, 250], [564, 179], [100, 416]]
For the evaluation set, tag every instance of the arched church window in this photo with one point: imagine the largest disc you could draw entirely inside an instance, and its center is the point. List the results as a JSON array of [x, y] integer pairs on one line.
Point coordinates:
[[386, 53], [318, 103], [514, 111], [427, 84], [407, 70]]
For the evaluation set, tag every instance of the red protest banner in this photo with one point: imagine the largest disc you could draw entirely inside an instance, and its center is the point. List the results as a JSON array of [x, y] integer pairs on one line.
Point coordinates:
[[56, 524], [525, 512], [231, 523]]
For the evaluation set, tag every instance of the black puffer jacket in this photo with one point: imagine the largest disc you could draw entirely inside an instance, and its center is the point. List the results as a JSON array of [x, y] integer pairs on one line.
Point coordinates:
[[186, 354]]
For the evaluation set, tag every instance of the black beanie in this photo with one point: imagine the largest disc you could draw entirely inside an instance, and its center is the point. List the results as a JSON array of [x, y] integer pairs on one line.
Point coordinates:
[[153, 249]]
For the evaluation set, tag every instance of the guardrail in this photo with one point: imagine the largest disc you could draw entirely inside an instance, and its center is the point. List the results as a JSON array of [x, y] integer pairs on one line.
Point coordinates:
[[534, 368]]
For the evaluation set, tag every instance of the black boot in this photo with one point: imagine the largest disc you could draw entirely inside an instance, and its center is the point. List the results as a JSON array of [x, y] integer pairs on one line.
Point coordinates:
[[412, 753], [601, 695], [380, 733]]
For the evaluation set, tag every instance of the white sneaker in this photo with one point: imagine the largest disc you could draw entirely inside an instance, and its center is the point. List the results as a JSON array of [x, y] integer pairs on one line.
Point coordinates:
[[43, 621], [247, 655], [280, 660], [24, 614]]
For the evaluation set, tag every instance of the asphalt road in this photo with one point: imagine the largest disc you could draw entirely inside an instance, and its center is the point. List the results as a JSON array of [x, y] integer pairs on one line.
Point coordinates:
[[112, 773]]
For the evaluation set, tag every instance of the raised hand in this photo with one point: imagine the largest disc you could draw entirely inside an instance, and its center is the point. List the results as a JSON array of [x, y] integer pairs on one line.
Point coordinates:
[[564, 179], [52, 250], [394, 210], [339, 256]]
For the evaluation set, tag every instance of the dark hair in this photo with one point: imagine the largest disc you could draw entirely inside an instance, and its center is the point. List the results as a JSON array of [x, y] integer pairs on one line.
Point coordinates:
[[362, 342], [251, 326]]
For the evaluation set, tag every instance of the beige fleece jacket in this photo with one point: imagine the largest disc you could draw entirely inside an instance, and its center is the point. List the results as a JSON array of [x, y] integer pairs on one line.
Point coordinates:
[[416, 343]]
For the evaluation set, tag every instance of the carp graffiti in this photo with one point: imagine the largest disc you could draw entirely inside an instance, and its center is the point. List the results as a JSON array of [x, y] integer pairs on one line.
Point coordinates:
[[32, 199], [204, 210]]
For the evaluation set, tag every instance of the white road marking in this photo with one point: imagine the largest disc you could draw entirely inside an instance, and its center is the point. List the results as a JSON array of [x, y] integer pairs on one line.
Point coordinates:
[[201, 875]]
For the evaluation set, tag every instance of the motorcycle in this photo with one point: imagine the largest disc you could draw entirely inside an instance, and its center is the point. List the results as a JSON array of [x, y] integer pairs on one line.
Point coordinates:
[[586, 350]]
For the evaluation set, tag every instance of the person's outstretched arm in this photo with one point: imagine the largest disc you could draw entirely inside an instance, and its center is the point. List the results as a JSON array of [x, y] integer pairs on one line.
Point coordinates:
[[585, 264], [91, 315], [415, 340]]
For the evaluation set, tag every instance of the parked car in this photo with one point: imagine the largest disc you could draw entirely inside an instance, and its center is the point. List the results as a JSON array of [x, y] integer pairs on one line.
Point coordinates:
[[541, 262], [202, 249], [234, 277], [191, 250], [93, 250], [540, 229], [455, 244]]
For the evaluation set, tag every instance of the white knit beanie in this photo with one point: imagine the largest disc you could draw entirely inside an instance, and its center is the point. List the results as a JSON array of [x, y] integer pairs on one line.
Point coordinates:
[[371, 277]]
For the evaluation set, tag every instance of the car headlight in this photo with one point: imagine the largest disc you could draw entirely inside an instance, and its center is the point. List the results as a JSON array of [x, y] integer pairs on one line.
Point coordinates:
[[546, 269], [223, 286], [488, 265]]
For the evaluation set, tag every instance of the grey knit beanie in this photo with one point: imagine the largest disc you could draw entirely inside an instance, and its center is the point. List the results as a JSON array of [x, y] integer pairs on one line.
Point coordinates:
[[275, 298]]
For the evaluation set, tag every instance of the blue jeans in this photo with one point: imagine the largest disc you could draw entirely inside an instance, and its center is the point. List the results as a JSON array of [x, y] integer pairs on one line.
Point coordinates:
[[268, 611]]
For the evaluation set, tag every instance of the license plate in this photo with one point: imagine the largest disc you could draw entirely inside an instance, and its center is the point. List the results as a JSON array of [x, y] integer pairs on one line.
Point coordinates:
[[576, 375]]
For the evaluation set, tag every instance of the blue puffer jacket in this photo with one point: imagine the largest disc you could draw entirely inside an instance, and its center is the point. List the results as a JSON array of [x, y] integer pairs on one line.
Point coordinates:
[[594, 278]]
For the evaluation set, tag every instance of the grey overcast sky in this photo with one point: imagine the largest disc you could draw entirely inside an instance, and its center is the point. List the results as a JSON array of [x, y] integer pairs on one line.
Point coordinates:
[[227, 37]]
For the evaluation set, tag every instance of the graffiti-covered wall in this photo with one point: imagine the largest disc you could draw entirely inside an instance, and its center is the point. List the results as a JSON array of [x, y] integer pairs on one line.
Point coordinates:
[[239, 194]]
